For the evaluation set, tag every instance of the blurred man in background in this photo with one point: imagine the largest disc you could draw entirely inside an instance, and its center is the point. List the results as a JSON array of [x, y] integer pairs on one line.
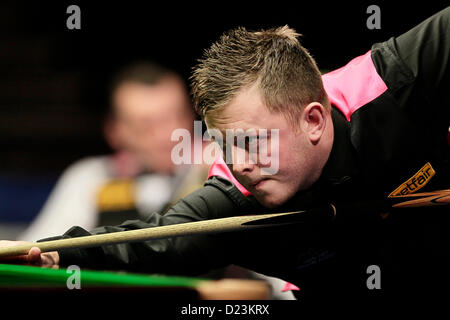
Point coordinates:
[[147, 103]]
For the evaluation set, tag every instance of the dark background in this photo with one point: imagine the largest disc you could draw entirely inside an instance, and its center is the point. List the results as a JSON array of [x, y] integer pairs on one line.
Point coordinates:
[[53, 81]]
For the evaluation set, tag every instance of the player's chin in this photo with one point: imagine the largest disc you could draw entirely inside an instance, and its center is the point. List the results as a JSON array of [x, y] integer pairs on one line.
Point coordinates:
[[271, 200]]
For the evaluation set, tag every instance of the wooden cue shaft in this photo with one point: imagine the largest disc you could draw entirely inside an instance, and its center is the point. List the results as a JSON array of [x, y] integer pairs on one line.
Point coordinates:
[[182, 229]]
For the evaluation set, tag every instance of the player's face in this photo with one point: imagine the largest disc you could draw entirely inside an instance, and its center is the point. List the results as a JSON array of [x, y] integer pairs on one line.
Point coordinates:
[[146, 116], [295, 154]]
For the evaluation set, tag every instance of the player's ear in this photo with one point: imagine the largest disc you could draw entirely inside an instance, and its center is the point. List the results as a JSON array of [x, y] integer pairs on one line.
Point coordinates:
[[111, 132], [313, 121]]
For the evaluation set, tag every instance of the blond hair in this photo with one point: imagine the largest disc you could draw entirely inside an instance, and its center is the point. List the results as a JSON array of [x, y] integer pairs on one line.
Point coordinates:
[[287, 75]]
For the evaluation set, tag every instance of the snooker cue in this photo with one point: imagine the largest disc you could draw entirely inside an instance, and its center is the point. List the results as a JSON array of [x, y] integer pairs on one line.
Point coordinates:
[[229, 224], [238, 223]]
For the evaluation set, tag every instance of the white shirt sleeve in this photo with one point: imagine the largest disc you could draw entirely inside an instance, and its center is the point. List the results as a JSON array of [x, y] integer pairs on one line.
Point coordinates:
[[72, 201]]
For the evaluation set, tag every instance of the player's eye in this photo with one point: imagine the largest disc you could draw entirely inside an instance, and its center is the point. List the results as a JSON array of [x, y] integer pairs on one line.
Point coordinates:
[[252, 141], [251, 144]]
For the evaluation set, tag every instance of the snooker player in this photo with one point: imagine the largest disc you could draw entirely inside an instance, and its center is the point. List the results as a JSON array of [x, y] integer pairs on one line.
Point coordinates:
[[374, 128]]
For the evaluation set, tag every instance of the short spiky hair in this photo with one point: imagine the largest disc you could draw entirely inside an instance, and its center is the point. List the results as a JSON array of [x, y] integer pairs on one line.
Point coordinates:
[[286, 73]]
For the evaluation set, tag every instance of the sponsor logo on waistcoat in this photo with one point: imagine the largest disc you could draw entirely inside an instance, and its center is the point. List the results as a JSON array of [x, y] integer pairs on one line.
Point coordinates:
[[416, 182]]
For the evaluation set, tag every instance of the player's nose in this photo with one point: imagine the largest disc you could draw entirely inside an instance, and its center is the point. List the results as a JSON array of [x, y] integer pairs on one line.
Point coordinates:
[[244, 168]]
